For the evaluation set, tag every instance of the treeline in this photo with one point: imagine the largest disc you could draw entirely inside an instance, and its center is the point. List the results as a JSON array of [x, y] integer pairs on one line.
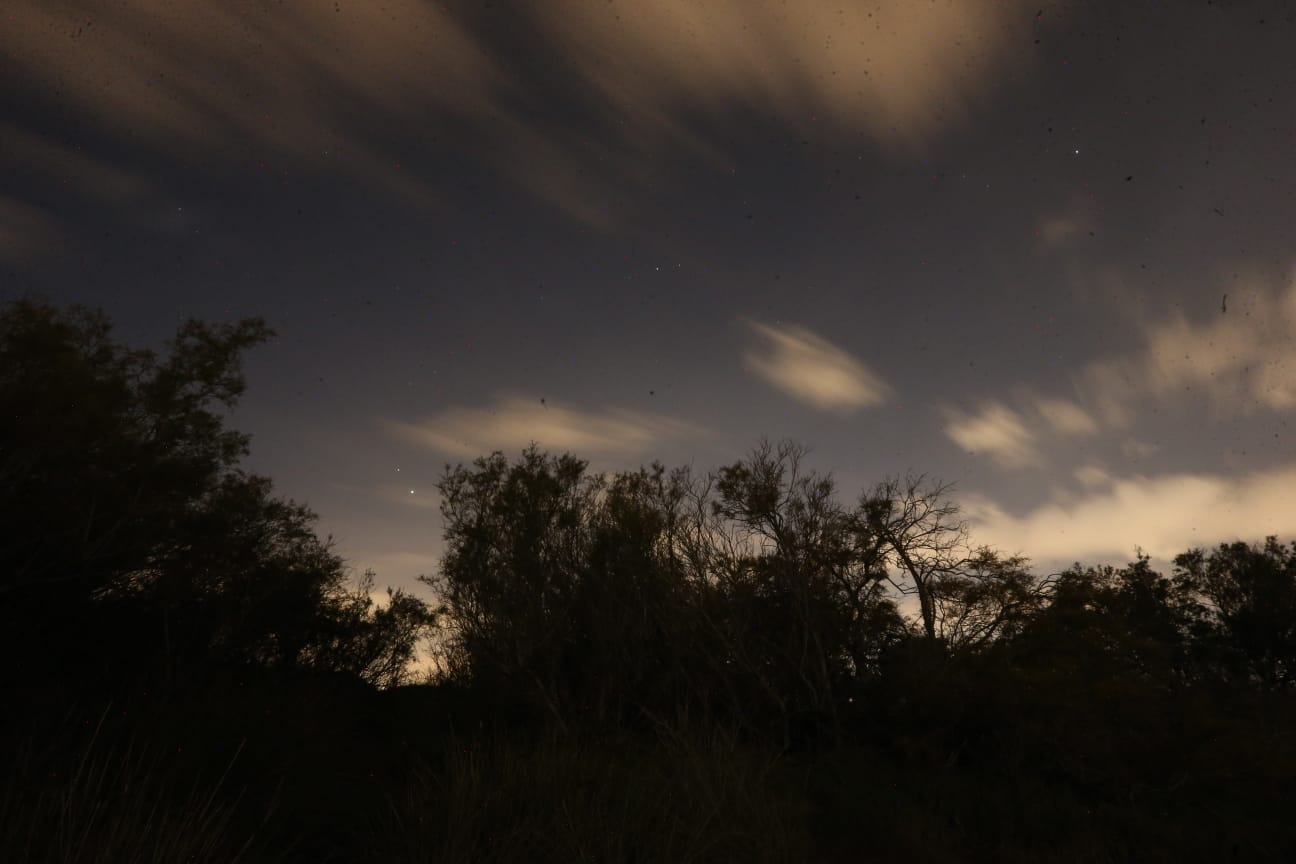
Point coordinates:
[[651, 665], [751, 597]]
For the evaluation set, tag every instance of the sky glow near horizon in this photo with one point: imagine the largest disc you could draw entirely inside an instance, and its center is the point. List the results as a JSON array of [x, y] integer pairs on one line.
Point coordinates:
[[1044, 250]]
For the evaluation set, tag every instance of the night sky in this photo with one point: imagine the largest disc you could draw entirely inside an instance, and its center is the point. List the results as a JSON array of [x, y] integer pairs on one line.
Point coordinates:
[[1044, 250]]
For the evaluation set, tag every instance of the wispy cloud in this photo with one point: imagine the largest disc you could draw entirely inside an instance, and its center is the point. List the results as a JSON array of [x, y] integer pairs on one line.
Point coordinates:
[[323, 76], [217, 78], [1164, 515], [1093, 476], [1060, 227], [811, 369], [512, 423], [1066, 417], [1240, 356], [901, 69], [1235, 360], [997, 431]]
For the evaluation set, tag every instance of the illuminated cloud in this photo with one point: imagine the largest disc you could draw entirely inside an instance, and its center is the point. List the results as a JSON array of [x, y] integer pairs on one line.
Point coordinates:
[[1066, 417], [899, 70], [811, 369], [1092, 477], [1163, 515], [1235, 360], [1056, 230], [235, 84], [1239, 357], [998, 431], [513, 423]]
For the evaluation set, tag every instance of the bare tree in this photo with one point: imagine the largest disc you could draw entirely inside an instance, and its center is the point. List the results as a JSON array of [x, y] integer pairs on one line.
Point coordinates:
[[913, 526], [991, 596], [967, 595]]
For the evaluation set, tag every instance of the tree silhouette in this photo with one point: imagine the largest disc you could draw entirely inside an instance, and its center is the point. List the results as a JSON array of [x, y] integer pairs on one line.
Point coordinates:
[[102, 445], [814, 611], [990, 597], [132, 539], [1249, 615], [517, 545], [966, 595], [739, 595]]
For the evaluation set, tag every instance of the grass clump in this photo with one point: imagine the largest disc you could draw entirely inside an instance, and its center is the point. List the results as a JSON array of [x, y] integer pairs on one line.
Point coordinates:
[[118, 798], [682, 798]]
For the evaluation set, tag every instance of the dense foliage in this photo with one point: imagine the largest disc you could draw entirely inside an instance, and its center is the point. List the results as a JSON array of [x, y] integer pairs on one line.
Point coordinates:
[[132, 539], [657, 665]]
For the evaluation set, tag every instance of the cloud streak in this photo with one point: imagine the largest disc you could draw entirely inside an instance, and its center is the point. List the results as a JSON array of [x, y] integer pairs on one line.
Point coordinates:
[[317, 83], [899, 70], [240, 82], [513, 423], [812, 370]]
